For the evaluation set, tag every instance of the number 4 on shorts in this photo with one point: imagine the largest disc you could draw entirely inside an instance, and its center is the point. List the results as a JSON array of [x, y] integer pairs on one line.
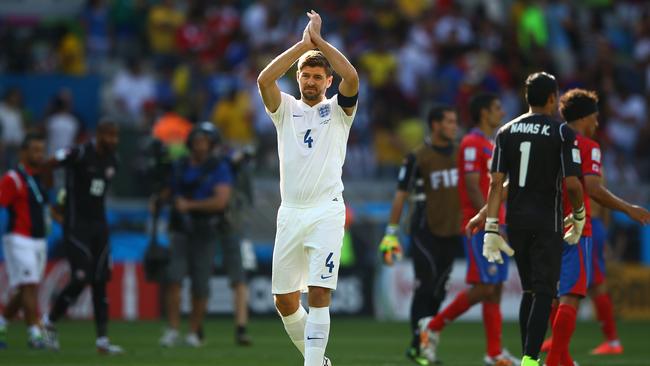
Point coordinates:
[[329, 263]]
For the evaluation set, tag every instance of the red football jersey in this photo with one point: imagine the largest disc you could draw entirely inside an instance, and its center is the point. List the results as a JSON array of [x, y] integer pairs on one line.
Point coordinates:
[[590, 161], [474, 156], [16, 195]]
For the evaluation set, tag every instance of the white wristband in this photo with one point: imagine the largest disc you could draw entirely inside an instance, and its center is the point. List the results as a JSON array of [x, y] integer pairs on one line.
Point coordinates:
[[492, 225], [392, 229]]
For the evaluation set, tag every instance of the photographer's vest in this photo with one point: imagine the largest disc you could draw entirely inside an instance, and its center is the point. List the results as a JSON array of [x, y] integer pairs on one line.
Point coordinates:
[[439, 171], [193, 220]]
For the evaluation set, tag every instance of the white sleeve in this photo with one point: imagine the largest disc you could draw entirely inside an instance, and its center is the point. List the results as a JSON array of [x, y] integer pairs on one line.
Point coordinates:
[[278, 116], [344, 117]]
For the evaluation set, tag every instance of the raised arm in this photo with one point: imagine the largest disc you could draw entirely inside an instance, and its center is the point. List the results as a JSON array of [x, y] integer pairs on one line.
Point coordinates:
[[267, 80], [349, 86]]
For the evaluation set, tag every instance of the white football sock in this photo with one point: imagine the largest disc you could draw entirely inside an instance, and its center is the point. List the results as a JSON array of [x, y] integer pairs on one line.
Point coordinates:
[[3, 322], [294, 324], [34, 331], [45, 319], [317, 333]]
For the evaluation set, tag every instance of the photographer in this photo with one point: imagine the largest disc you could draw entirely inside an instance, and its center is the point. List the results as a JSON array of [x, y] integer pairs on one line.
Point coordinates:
[[237, 257], [200, 191]]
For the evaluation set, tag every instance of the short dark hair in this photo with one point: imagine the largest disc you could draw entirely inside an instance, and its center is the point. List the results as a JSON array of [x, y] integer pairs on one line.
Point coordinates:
[[539, 86], [315, 58], [437, 113], [578, 103], [29, 137], [478, 103]]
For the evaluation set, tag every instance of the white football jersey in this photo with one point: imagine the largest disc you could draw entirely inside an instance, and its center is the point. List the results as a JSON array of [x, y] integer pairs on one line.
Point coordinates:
[[311, 147]]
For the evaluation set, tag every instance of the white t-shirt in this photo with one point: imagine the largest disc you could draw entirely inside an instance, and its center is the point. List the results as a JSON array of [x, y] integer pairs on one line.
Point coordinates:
[[62, 129], [311, 147]]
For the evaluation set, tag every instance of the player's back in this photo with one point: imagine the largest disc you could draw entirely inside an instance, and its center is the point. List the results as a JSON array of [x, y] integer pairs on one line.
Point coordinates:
[[534, 150]]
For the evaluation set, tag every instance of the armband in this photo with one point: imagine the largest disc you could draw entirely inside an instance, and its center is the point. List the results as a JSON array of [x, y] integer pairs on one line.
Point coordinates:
[[347, 102]]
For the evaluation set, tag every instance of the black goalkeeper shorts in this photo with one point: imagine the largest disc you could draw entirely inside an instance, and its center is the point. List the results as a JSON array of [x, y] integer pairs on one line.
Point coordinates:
[[538, 254], [88, 252]]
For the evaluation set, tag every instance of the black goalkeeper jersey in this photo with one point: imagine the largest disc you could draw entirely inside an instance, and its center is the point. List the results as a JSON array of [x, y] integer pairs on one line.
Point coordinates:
[[535, 151], [87, 177]]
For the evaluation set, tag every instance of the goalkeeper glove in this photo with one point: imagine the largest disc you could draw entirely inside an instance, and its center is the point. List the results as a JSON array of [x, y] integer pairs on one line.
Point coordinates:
[[389, 246], [574, 222], [493, 242]]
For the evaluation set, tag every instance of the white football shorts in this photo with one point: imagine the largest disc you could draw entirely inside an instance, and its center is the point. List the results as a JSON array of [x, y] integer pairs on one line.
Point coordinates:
[[25, 259], [307, 247]]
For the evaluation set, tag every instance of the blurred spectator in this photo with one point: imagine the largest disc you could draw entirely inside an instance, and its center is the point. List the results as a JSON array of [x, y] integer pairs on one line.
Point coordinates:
[[163, 22], [532, 29], [255, 21], [129, 29], [95, 21], [219, 82], [416, 52], [172, 129], [642, 49], [71, 53], [131, 89], [453, 29], [628, 115], [61, 126], [560, 25], [233, 116], [380, 63], [12, 126]]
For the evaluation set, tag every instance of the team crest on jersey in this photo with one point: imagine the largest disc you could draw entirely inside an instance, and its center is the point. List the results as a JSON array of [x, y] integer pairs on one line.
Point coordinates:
[[324, 110], [110, 172]]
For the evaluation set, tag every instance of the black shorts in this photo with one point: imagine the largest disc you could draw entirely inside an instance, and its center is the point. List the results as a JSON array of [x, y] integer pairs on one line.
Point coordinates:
[[538, 254], [88, 252], [433, 257]]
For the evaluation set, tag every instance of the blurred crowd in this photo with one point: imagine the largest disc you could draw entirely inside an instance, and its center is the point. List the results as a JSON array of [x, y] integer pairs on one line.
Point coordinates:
[[167, 64]]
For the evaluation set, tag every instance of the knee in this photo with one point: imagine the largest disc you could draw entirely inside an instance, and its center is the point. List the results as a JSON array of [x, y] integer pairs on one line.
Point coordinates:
[[200, 289], [319, 296], [490, 292], [286, 304]]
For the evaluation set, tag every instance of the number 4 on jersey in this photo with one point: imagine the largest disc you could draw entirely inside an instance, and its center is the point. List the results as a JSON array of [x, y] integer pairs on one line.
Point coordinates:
[[308, 139]]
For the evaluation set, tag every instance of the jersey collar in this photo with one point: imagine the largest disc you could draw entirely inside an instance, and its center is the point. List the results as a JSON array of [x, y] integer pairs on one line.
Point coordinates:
[[477, 131], [306, 107]]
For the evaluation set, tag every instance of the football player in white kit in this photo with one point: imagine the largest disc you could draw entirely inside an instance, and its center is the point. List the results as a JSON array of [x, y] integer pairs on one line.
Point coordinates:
[[312, 137]]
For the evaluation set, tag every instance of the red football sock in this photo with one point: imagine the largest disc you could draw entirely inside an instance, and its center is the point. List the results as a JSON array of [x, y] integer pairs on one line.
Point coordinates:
[[451, 312], [565, 358], [492, 323], [605, 315], [563, 327]]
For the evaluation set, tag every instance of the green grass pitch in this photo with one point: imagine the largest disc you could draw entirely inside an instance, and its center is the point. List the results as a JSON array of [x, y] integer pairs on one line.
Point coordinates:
[[353, 342]]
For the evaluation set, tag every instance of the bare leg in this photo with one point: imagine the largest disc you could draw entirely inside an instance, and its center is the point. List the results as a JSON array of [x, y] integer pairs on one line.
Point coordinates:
[[199, 306], [174, 305], [14, 305], [30, 306]]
